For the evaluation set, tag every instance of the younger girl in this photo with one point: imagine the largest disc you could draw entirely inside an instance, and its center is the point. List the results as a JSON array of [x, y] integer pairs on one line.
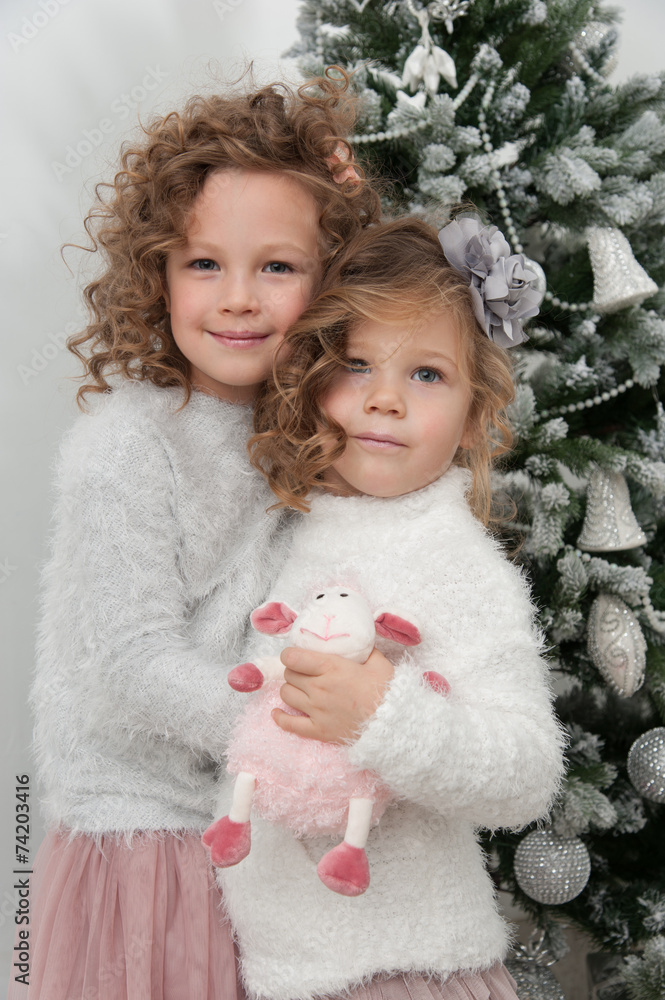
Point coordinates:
[[214, 236], [387, 410]]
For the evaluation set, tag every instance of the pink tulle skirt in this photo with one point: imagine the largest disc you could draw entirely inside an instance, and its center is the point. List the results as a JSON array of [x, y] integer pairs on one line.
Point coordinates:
[[495, 984], [113, 921], [110, 921]]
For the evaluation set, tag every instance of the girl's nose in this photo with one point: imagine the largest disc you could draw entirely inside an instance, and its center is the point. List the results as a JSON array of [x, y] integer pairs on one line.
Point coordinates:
[[384, 397], [238, 295]]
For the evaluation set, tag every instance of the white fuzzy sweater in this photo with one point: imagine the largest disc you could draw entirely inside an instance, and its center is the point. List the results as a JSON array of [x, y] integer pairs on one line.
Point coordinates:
[[487, 755], [160, 551]]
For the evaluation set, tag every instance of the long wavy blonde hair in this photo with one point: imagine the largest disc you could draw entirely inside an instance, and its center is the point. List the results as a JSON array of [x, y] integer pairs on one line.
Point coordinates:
[[141, 216], [392, 273]]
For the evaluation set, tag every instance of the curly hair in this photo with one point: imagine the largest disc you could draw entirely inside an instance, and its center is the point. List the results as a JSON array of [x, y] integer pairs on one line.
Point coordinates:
[[392, 273], [141, 216]]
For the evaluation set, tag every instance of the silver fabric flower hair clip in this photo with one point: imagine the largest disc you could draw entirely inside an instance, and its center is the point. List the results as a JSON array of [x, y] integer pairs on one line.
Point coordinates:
[[500, 282]]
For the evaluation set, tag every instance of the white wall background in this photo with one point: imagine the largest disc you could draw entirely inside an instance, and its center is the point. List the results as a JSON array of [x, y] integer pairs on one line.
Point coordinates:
[[67, 66]]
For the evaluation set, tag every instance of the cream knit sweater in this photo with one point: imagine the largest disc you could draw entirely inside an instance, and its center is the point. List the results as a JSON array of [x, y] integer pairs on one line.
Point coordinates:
[[487, 755], [160, 551]]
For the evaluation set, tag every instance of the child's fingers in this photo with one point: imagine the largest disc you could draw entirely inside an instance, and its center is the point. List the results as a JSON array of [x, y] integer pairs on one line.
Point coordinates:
[[301, 725], [305, 661], [295, 697]]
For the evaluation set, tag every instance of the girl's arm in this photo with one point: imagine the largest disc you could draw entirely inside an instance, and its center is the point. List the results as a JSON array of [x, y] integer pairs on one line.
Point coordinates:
[[118, 561], [490, 749], [495, 759]]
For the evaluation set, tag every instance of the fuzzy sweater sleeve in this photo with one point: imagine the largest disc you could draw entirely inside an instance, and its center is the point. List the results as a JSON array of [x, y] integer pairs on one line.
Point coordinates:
[[118, 544], [491, 750]]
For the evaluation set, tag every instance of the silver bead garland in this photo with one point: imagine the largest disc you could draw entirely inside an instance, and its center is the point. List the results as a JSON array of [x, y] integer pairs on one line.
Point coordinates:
[[395, 133], [511, 230], [586, 404]]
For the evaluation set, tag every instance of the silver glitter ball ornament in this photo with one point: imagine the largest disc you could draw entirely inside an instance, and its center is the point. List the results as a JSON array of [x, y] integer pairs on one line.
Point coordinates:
[[551, 869], [646, 764], [616, 644], [609, 522], [618, 280], [534, 982]]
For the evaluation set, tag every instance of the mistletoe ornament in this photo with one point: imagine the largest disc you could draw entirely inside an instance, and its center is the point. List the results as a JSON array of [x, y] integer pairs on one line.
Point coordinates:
[[428, 62]]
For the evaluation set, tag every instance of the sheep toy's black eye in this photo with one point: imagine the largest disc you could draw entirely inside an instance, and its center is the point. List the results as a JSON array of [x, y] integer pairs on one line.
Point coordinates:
[[319, 596], [343, 595]]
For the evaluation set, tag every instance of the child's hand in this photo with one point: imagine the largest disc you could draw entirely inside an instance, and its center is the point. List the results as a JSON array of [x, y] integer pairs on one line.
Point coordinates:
[[336, 695]]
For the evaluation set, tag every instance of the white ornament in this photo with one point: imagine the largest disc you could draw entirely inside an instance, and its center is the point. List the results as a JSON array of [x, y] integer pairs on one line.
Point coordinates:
[[447, 11], [609, 523], [618, 280], [646, 764], [540, 281], [592, 37], [551, 869], [616, 644], [428, 62], [533, 981], [411, 103]]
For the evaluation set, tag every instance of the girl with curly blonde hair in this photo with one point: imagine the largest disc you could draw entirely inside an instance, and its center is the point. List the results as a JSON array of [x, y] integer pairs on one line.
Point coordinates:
[[385, 415], [213, 236]]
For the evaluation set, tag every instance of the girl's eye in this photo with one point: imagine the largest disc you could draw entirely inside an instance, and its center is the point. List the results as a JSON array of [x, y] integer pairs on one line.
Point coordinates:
[[205, 264], [427, 375], [278, 267], [357, 365]]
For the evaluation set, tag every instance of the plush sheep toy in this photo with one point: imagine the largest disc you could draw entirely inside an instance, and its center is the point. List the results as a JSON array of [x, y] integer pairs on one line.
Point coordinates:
[[304, 784]]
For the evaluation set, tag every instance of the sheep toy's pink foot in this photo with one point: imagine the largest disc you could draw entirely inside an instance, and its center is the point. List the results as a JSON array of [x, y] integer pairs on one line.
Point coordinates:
[[229, 842], [345, 870]]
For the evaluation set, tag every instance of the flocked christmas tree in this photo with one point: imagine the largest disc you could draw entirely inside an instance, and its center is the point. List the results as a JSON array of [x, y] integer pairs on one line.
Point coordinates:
[[507, 104]]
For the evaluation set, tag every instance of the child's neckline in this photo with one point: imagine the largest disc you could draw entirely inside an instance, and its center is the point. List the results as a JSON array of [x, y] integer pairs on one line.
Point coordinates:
[[455, 481]]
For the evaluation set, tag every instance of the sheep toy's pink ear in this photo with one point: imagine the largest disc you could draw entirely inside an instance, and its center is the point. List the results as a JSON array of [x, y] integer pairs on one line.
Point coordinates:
[[273, 618], [398, 629]]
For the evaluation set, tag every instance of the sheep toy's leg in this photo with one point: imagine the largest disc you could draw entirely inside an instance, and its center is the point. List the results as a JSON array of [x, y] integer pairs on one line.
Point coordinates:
[[229, 838], [345, 869]]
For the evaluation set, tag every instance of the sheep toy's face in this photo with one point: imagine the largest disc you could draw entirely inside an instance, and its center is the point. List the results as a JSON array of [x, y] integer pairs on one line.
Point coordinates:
[[336, 620]]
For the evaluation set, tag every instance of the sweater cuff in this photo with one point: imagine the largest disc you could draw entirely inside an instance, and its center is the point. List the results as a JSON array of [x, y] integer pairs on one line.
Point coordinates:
[[378, 743]]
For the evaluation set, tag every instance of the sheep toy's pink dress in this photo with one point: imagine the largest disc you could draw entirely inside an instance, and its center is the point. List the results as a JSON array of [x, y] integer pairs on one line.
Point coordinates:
[[303, 784]]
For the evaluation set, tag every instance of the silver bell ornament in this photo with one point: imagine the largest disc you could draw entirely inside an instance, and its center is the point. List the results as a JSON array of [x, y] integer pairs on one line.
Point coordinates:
[[618, 280], [646, 764], [551, 869], [616, 644], [609, 523]]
